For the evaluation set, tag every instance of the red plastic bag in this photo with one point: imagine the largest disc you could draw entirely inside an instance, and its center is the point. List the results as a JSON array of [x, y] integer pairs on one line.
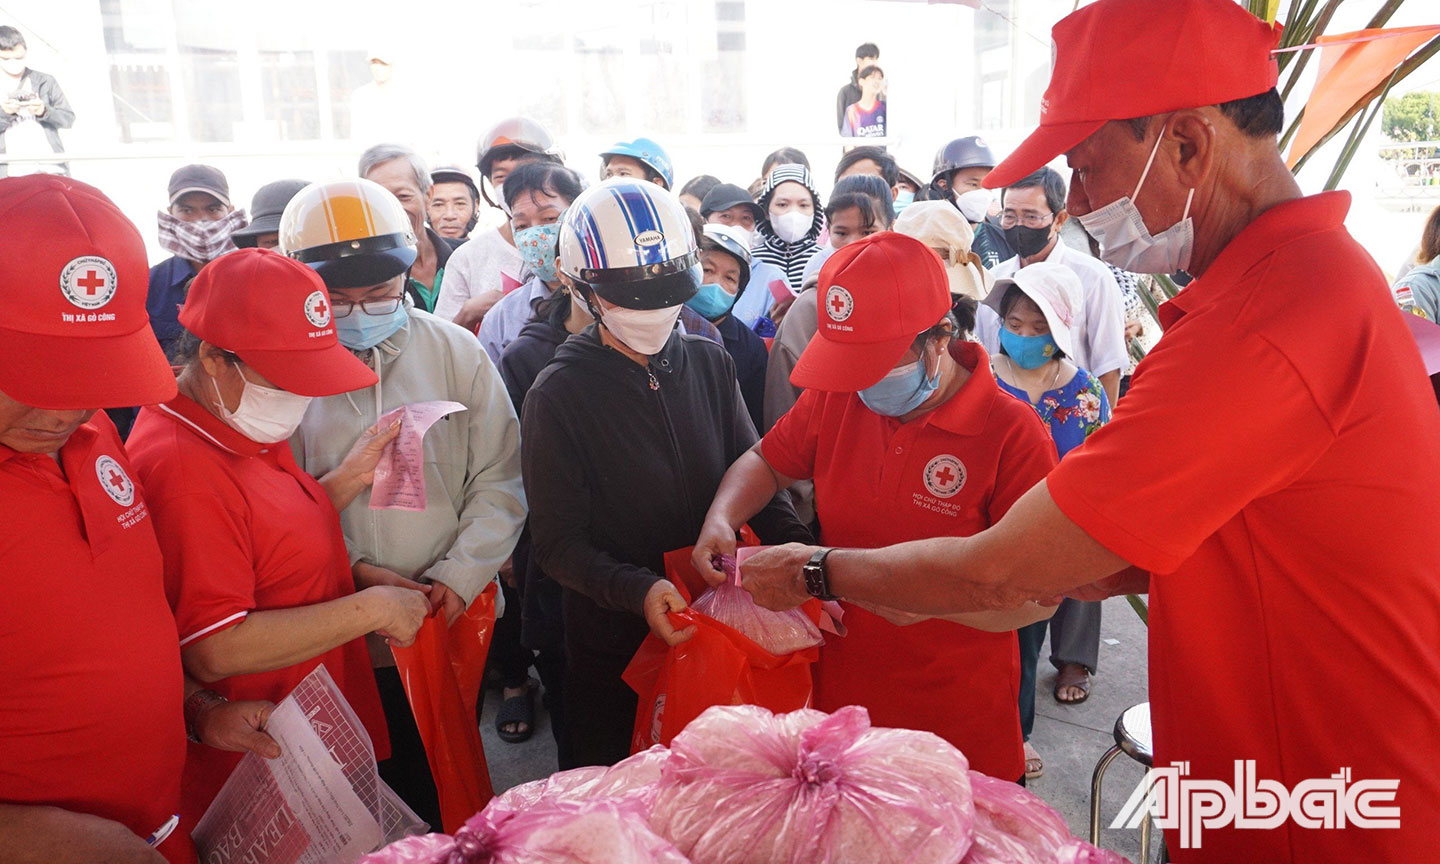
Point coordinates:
[[442, 672], [719, 666]]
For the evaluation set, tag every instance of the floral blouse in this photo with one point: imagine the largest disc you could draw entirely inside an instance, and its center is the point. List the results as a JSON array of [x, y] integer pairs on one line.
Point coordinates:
[[1071, 412]]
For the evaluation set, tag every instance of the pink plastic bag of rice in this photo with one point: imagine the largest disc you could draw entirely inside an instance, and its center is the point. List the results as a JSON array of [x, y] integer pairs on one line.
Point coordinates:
[[1013, 826], [745, 786], [1080, 852], [634, 777], [600, 832], [779, 633]]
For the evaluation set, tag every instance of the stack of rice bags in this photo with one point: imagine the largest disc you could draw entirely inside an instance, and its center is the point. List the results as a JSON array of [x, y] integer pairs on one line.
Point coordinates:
[[744, 786]]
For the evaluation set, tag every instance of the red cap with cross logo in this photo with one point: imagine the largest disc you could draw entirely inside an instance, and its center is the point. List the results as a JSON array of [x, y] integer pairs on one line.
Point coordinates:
[[274, 313], [1118, 59], [873, 298], [73, 273]]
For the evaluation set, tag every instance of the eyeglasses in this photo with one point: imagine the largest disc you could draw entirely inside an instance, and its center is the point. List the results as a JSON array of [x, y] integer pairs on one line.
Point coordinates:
[[378, 306], [1008, 219]]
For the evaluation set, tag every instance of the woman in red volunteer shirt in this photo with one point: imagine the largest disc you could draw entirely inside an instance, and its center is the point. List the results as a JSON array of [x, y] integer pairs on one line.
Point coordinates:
[[92, 740], [906, 435], [255, 566]]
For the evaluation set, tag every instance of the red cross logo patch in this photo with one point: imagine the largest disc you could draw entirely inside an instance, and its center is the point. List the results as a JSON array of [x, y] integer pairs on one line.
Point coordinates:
[[88, 281], [317, 309], [839, 305], [944, 476], [116, 483]]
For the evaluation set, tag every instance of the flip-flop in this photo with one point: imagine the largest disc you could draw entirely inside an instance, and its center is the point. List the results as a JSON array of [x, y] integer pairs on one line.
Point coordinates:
[[518, 710], [1034, 765], [1068, 678]]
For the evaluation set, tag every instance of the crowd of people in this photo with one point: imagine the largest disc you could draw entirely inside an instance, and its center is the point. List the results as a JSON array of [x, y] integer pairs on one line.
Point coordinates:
[[644, 366]]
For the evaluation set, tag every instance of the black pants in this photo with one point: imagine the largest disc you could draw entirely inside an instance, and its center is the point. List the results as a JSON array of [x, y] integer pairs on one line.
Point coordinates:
[[599, 711], [550, 663], [406, 771], [510, 659], [1031, 637]]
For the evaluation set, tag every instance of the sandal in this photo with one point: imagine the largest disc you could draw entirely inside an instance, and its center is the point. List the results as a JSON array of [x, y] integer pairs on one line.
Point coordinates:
[[1072, 675], [517, 711], [1034, 765]]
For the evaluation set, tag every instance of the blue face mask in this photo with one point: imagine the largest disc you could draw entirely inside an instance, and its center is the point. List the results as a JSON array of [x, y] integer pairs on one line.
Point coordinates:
[[1028, 352], [712, 301], [537, 247], [901, 390], [903, 200], [360, 330]]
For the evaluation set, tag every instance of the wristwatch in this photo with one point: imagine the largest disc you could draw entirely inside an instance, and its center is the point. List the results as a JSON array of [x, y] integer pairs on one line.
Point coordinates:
[[817, 584]]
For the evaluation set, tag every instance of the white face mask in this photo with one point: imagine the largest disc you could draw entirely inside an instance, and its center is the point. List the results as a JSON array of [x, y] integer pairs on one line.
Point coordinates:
[[644, 331], [1126, 243], [265, 415], [792, 225], [974, 205]]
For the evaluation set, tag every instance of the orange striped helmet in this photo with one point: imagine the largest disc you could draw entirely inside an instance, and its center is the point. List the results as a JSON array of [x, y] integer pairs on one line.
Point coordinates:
[[354, 233]]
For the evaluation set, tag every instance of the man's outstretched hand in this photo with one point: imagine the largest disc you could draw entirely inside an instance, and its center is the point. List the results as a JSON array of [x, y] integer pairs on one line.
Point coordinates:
[[774, 578]]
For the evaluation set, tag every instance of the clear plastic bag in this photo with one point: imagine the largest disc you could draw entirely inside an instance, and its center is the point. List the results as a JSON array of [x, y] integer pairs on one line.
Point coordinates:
[[1013, 826], [777, 632], [598, 832], [745, 786], [1080, 852], [632, 778]]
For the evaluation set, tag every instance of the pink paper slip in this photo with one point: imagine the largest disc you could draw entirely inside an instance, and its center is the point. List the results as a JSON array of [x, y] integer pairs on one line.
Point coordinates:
[[780, 290], [1427, 337], [400, 473]]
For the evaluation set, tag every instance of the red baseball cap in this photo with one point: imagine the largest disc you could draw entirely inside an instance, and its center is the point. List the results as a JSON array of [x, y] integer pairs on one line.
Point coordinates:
[[1118, 59], [874, 297], [75, 334], [274, 313]]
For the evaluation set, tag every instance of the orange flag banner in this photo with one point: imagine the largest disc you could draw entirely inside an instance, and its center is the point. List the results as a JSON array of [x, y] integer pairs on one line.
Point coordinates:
[[1351, 64]]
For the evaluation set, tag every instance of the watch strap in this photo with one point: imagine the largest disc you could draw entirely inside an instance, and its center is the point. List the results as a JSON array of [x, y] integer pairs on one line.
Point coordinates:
[[817, 581]]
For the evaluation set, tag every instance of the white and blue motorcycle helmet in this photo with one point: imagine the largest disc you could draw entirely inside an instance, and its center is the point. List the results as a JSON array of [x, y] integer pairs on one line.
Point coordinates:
[[631, 243]]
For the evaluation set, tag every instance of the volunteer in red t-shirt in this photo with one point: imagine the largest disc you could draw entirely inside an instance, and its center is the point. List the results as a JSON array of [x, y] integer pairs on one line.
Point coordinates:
[[1269, 478], [906, 435], [255, 565], [92, 734]]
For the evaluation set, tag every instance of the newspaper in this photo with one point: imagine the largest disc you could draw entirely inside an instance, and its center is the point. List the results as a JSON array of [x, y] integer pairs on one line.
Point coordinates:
[[400, 474], [320, 802]]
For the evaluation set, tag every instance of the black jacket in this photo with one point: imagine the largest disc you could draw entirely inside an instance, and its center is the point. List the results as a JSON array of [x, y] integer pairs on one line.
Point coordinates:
[[541, 624], [848, 94], [748, 352], [620, 465], [58, 113]]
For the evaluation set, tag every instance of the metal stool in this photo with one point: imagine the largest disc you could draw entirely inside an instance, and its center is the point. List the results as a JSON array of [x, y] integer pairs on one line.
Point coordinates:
[[1132, 737]]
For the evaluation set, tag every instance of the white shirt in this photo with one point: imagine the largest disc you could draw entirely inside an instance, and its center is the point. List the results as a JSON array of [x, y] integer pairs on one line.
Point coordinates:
[[1098, 332], [507, 318], [474, 268]]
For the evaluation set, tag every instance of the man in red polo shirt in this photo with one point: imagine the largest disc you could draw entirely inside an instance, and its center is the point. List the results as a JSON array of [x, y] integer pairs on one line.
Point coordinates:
[[1254, 480], [91, 731]]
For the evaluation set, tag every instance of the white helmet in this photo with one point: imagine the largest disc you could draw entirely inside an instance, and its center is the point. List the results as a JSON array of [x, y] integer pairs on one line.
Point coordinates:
[[630, 242]]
